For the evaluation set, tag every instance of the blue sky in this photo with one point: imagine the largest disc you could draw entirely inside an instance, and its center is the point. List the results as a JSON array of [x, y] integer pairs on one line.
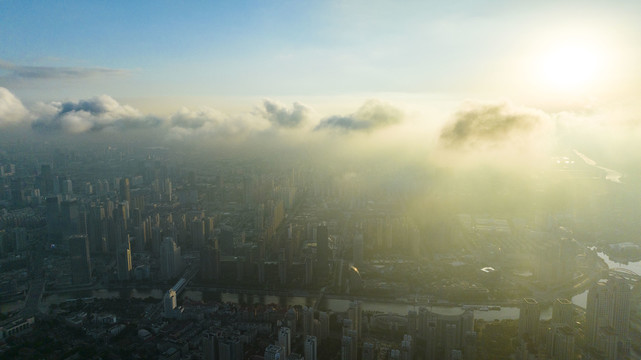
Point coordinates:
[[164, 49]]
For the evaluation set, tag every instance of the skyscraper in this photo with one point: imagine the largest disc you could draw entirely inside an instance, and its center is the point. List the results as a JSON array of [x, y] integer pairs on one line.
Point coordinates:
[[80, 260]]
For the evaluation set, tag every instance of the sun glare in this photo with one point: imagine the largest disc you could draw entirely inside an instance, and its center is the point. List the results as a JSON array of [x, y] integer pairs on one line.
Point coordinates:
[[571, 67]]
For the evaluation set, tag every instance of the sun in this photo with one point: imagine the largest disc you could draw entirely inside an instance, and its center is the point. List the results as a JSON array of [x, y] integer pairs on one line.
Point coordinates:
[[572, 67]]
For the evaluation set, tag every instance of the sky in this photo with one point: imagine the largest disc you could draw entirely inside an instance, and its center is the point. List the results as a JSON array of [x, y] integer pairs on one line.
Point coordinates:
[[264, 67]]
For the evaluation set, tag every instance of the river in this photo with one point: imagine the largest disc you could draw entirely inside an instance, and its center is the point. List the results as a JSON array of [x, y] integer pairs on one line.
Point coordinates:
[[327, 303], [582, 298]]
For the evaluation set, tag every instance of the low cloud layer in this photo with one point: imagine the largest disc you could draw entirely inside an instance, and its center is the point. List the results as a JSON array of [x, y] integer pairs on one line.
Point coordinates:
[[23, 72], [487, 125], [208, 122], [372, 115], [95, 114], [11, 109], [280, 116]]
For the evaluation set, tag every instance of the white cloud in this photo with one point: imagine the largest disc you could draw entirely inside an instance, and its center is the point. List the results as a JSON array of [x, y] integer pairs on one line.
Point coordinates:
[[11, 109]]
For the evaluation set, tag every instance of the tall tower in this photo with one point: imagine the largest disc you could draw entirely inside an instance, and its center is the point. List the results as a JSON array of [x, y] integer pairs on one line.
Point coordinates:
[[80, 260]]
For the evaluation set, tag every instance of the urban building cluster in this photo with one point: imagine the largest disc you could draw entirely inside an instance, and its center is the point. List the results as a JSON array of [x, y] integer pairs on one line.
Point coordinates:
[[130, 219]]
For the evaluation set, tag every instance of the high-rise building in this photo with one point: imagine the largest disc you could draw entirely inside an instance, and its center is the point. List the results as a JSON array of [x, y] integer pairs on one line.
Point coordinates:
[[123, 262], [395, 354], [311, 348], [444, 333], [197, 233], [125, 194], [169, 303], [80, 260], [346, 348], [170, 259], [563, 312], [282, 267], [355, 314], [210, 262], [323, 319], [322, 251], [529, 319], [357, 250], [67, 187], [210, 346], [309, 270], [608, 316], [563, 343], [406, 348], [308, 320], [274, 352], [368, 351], [285, 340]]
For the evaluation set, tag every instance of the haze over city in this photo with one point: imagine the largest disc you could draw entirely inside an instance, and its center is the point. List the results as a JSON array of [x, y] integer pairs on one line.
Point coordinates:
[[340, 179]]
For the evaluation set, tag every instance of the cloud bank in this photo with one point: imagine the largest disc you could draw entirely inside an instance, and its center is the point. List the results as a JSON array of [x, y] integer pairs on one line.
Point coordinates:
[[11, 109], [209, 122], [280, 116], [372, 115], [95, 114], [481, 126]]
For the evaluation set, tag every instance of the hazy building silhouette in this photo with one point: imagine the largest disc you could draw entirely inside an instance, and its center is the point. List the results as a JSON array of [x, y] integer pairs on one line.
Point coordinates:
[[210, 346], [444, 333], [322, 251], [170, 259], [563, 312], [529, 315], [608, 316], [80, 259], [123, 262], [124, 193]]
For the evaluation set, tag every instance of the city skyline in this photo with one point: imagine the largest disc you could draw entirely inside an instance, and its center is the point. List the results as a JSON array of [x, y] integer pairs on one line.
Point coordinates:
[[353, 179]]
